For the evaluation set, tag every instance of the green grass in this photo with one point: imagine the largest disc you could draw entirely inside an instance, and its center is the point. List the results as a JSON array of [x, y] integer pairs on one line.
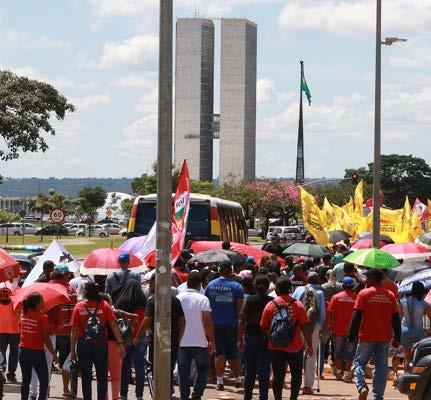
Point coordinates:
[[77, 249]]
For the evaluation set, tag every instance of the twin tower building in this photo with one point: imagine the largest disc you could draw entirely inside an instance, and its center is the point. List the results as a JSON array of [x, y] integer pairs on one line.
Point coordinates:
[[196, 125]]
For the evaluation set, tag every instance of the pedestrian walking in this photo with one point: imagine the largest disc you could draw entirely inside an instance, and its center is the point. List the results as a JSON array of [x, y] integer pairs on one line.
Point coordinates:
[[340, 313], [117, 278], [375, 321], [89, 342], [313, 300], [288, 349], [34, 337], [226, 299], [198, 338], [254, 341]]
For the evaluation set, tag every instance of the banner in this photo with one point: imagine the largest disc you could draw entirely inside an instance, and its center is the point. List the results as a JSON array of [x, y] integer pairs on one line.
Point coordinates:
[[58, 254], [415, 227], [180, 212], [391, 223], [312, 218]]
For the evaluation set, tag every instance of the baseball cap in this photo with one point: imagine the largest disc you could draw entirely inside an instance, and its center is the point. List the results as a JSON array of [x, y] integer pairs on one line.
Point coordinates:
[[250, 260], [312, 274], [62, 268], [348, 282], [123, 257]]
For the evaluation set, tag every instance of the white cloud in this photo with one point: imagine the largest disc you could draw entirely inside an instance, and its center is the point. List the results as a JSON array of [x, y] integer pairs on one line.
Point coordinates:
[[356, 16], [21, 40], [148, 103], [264, 90], [136, 51], [415, 54], [136, 81], [87, 102]]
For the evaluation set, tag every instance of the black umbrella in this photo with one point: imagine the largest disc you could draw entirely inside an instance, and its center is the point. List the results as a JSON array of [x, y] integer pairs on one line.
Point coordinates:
[[338, 236], [406, 270], [383, 238], [218, 256]]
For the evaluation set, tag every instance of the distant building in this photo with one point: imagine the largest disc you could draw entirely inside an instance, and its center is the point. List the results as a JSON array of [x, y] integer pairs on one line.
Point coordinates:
[[15, 204], [194, 96], [238, 99]]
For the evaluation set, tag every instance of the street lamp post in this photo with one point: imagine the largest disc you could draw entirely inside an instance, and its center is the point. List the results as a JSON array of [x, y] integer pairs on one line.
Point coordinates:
[[377, 122]]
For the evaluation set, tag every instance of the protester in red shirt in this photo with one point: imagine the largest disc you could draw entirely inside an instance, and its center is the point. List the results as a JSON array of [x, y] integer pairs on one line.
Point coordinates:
[[340, 313], [93, 351], [34, 338], [375, 321], [291, 354]]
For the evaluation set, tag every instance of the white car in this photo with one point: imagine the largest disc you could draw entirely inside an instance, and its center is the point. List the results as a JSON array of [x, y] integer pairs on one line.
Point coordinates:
[[123, 232], [18, 228], [95, 230], [74, 228], [289, 232], [114, 229]]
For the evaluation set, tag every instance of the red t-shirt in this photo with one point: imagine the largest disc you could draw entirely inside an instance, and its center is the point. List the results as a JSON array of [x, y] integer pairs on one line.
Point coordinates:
[[80, 315], [377, 305], [341, 307], [298, 317], [391, 286], [65, 312], [182, 275], [33, 324]]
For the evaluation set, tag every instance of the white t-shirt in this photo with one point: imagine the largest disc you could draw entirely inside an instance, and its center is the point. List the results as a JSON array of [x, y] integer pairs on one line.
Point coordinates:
[[193, 304], [183, 287]]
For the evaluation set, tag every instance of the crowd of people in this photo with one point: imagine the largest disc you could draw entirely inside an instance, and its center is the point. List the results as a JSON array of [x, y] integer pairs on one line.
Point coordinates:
[[266, 320]]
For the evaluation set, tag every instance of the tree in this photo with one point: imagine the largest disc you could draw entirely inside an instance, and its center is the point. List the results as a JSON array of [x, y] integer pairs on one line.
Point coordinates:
[[90, 199], [7, 216], [401, 176], [26, 106], [338, 194], [126, 207]]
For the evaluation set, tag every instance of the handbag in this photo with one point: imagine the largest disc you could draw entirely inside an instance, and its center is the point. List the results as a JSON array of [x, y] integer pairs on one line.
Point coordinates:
[[125, 331]]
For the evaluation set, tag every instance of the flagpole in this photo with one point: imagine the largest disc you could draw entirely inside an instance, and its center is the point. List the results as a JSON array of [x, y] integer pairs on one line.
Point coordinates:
[[300, 175]]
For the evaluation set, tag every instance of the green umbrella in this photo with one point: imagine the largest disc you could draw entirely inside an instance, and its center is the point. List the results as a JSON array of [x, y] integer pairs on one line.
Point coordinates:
[[305, 249], [373, 258]]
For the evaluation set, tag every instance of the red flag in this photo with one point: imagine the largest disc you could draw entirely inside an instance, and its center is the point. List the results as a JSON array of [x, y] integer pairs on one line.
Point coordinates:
[[422, 210]]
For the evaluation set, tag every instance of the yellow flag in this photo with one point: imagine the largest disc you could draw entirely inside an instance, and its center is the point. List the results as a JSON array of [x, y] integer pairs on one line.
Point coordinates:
[[313, 218], [329, 216], [391, 224], [415, 227], [407, 215], [359, 199], [429, 206]]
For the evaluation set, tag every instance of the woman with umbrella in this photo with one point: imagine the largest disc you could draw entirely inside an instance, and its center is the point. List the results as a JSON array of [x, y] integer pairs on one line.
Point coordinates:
[[34, 338], [413, 308]]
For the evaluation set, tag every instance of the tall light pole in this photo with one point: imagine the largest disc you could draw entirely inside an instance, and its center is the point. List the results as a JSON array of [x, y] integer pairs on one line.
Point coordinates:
[[162, 315], [377, 123]]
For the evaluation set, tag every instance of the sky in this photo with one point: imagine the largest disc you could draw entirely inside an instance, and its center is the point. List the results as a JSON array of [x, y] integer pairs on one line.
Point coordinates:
[[102, 55]]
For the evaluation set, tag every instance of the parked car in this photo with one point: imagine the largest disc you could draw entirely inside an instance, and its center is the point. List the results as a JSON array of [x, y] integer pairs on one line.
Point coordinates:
[[416, 382], [113, 229], [74, 228], [17, 228], [254, 232], [123, 232], [289, 232], [94, 230], [52, 230]]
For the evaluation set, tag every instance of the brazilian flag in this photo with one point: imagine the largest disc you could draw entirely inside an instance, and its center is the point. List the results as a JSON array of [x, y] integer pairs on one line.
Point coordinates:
[[305, 89]]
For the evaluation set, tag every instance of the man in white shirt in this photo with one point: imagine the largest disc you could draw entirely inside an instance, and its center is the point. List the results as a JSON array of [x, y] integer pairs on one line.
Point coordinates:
[[197, 341]]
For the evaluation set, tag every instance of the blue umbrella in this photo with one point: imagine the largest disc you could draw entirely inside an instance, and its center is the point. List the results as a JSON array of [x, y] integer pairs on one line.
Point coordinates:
[[423, 276], [133, 245]]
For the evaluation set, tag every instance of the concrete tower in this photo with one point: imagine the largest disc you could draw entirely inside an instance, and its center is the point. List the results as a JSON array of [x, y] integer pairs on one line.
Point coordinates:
[[194, 96], [238, 99]]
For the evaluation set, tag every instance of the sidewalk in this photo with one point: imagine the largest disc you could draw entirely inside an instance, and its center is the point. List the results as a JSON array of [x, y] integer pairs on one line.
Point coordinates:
[[330, 389]]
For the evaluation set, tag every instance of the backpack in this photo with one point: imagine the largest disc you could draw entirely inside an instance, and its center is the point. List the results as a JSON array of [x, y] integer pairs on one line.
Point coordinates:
[[282, 330], [311, 305], [94, 331]]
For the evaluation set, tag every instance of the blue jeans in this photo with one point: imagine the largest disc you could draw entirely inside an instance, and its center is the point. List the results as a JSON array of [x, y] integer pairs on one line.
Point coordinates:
[[137, 355], [88, 356], [185, 357], [33, 359], [10, 340], [364, 353], [256, 356]]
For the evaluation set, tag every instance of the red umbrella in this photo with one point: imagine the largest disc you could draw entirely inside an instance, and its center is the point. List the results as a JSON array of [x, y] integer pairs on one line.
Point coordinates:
[[407, 251], [9, 267], [54, 294], [365, 244], [242, 248], [105, 261]]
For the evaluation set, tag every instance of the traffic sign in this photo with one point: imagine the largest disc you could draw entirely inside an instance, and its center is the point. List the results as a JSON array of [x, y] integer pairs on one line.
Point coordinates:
[[57, 215]]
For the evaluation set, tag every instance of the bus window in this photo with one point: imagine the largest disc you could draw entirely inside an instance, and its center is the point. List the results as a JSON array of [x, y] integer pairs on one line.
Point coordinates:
[[199, 222], [146, 215]]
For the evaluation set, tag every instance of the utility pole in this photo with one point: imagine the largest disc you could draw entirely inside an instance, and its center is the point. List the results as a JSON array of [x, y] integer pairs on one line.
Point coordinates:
[[300, 173], [377, 126], [162, 316]]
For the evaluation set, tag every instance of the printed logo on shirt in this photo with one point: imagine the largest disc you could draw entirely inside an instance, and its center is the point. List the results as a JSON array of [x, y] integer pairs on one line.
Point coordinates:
[[5, 294]]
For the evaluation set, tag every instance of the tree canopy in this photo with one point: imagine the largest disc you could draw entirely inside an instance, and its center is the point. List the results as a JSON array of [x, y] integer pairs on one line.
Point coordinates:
[[401, 176], [90, 199], [26, 107]]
